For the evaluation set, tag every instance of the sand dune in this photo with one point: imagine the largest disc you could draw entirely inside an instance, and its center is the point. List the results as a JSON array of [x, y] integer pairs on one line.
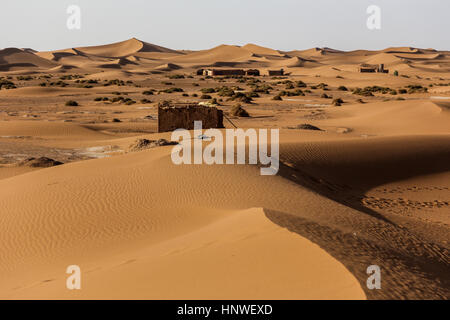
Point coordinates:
[[295, 62], [123, 49], [176, 229], [220, 53], [394, 118], [50, 130], [168, 67], [13, 58], [255, 49], [149, 56]]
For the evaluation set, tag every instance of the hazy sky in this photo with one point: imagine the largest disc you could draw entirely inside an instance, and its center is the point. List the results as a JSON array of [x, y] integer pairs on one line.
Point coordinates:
[[202, 24]]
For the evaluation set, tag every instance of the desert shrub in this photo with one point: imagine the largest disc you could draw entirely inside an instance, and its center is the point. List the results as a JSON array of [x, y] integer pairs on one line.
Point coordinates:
[[322, 86], [300, 84], [400, 98], [242, 97], [117, 99], [337, 102], [416, 88], [205, 97], [195, 95], [145, 101], [295, 93], [252, 81], [25, 78], [6, 84], [368, 91], [148, 92], [224, 91], [126, 101], [116, 120], [195, 84], [325, 96], [396, 73], [116, 82], [43, 84], [307, 126], [90, 81], [172, 90], [289, 86], [402, 91], [208, 90], [238, 111], [71, 103], [277, 98], [342, 88], [59, 83], [167, 83], [393, 92], [98, 99], [253, 94], [71, 77], [176, 76], [263, 88]]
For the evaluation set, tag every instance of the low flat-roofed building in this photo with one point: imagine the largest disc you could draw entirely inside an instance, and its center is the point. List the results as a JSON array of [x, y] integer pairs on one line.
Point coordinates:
[[224, 72], [279, 72], [364, 68], [252, 72]]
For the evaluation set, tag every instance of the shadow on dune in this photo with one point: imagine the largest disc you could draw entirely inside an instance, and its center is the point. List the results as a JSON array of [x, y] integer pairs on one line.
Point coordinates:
[[410, 269], [414, 266]]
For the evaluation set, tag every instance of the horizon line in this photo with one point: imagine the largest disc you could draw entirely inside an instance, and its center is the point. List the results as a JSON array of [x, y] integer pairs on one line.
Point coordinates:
[[215, 46]]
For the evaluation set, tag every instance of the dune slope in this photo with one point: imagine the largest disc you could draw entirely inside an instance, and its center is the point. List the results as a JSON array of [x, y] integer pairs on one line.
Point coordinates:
[[114, 219]]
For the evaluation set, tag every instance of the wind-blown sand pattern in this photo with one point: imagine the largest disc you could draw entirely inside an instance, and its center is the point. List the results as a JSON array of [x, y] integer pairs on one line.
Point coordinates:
[[371, 187]]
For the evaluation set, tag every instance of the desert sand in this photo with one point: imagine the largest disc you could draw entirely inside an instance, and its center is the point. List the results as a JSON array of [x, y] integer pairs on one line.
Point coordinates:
[[371, 187]]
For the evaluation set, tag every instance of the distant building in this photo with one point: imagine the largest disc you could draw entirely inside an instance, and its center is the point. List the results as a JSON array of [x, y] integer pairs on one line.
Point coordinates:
[[367, 69], [276, 72], [381, 69], [252, 72], [373, 68], [224, 72]]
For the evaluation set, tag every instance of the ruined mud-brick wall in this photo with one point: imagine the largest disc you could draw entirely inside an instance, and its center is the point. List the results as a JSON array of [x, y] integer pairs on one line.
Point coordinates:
[[177, 117]]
